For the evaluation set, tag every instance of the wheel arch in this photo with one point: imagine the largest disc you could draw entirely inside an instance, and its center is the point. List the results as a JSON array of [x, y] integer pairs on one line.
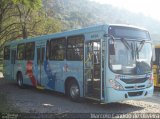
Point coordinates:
[[18, 72], [68, 80]]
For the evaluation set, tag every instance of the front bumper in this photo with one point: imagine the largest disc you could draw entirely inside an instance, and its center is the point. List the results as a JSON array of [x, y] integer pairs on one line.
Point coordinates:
[[117, 96]]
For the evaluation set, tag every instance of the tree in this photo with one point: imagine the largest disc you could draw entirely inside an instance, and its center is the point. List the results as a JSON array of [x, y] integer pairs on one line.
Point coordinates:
[[23, 19], [24, 9], [7, 26]]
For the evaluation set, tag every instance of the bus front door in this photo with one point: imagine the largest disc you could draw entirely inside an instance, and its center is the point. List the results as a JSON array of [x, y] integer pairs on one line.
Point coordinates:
[[13, 59], [93, 79], [40, 63]]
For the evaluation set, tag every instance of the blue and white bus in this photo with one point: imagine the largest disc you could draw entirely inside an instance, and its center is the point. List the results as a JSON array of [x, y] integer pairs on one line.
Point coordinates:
[[108, 63]]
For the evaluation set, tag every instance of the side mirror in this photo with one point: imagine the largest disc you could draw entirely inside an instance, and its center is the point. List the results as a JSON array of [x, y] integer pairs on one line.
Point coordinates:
[[111, 47]]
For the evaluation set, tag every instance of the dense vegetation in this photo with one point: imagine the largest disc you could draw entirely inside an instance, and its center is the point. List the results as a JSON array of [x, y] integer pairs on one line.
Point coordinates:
[[77, 14], [27, 18], [24, 18]]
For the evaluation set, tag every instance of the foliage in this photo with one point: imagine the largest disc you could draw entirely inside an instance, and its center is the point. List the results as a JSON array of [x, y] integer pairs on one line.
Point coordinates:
[[43, 25], [81, 13], [28, 18], [33, 4], [23, 19]]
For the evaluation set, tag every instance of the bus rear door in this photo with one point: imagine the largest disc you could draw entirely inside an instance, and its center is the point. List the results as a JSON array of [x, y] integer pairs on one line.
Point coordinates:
[[40, 49], [13, 59]]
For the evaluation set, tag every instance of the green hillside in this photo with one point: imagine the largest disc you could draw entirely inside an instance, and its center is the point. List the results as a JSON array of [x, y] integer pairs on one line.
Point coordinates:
[[76, 14]]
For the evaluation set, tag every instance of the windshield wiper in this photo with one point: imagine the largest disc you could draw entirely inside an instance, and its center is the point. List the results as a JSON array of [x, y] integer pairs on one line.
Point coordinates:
[[138, 49], [141, 45], [125, 43], [129, 47]]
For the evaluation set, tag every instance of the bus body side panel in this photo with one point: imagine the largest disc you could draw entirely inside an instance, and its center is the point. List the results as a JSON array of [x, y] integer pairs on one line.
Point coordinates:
[[22, 66], [54, 73], [74, 69], [58, 71]]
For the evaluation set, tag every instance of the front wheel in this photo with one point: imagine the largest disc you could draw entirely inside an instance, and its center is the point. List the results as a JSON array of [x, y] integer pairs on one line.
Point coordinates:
[[74, 91], [20, 80]]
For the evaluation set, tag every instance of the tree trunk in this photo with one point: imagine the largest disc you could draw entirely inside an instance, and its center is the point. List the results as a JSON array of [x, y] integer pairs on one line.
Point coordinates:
[[24, 32]]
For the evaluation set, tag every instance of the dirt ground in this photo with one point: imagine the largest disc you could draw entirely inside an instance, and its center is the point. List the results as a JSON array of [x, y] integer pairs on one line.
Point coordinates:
[[42, 101]]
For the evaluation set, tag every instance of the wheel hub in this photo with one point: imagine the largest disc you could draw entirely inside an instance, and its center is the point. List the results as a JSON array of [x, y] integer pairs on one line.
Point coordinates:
[[74, 91]]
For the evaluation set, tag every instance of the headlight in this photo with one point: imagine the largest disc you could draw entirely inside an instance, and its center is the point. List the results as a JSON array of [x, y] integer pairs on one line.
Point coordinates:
[[116, 85], [150, 82]]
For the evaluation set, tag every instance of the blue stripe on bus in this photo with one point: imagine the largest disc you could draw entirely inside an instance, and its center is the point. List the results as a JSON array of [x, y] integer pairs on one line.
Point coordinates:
[[51, 77]]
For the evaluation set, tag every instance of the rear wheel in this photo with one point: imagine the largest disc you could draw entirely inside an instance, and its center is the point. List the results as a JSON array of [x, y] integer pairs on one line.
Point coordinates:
[[20, 80], [73, 91]]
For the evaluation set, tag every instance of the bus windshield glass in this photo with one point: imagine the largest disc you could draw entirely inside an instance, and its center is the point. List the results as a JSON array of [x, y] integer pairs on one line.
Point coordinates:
[[132, 57], [127, 32]]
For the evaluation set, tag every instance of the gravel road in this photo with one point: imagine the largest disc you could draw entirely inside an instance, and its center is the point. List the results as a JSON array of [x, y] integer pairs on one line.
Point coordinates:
[[41, 101]]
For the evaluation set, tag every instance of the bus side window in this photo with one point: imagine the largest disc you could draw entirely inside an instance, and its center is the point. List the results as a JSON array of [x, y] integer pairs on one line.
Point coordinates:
[[57, 49], [75, 46], [21, 51], [30, 48], [6, 52]]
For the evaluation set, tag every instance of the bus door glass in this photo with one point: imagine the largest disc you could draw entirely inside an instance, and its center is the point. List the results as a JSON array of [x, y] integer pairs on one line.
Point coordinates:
[[13, 58], [93, 70], [40, 63]]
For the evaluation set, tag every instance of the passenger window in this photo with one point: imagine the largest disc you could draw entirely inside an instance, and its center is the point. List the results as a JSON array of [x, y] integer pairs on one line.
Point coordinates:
[[30, 47], [75, 46], [6, 52], [21, 52], [57, 49]]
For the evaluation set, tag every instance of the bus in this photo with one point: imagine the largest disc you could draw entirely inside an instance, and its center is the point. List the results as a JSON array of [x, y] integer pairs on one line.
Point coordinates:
[[106, 63], [156, 67]]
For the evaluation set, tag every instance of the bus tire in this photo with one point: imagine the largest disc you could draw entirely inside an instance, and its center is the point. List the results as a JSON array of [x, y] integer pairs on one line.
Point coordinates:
[[20, 80], [74, 91]]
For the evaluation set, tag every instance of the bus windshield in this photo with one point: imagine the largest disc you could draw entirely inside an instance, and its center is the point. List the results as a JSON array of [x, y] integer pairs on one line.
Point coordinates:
[[128, 32], [131, 57]]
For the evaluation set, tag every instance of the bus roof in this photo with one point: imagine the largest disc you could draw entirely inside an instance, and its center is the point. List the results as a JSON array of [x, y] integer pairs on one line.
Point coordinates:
[[89, 29], [128, 25], [61, 34]]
